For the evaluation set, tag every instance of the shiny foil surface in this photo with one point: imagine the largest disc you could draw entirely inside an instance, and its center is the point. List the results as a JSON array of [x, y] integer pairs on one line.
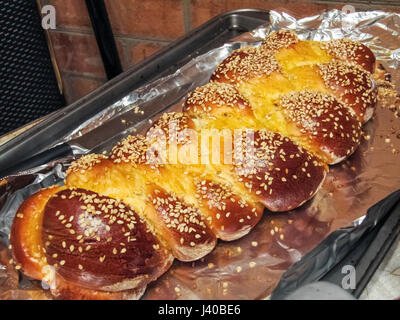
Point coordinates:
[[251, 267]]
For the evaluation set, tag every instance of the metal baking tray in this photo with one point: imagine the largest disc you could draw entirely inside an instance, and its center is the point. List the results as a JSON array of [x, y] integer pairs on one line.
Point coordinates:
[[210, 35]]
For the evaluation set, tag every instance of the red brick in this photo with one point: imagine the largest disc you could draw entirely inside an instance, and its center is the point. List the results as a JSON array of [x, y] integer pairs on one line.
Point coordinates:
[[122, 48], [77, 53], [76, 86], [143, 50], [132, 51], [203, 10], [150, 18], [70, 13]]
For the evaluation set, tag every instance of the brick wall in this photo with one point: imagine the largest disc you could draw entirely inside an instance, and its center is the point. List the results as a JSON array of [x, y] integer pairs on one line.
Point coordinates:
[[141, 27]]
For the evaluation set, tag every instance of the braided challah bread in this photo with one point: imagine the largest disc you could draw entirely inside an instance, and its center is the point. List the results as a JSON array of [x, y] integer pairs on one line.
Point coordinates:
[[283, 111]]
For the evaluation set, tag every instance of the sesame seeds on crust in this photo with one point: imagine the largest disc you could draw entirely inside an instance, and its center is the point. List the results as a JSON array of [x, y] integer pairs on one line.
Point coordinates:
[[176, 214], [352, 51], [181, 225], [325, 120], [278, 40], [87, 233], [278, 171], [229, 215], [131, 150], [350, 84], [244, 64], [216, 94], [173, 126], [85, 162]]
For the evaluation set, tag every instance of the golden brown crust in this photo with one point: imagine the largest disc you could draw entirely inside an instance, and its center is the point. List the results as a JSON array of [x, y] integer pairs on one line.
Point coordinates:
[[99, 242], [171, 218], [352, 85], [279, 172], [181, 225], [345, 50], [244, 64], [131, 150], [86, 162], [332, 128], [229, 216], [279, 40], [25, 237], [173, 126], [31, 257], [351, 51], [216, 99]]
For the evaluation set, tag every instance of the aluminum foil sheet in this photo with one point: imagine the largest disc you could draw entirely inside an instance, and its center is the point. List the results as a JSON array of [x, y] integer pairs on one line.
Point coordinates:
[[250, 268]]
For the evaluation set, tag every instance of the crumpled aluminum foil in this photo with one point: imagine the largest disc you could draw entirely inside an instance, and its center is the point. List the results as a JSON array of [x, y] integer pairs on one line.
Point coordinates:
[[251, 267]]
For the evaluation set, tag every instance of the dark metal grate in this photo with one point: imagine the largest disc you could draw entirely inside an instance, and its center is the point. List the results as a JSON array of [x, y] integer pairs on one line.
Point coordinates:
[[28, 86]]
